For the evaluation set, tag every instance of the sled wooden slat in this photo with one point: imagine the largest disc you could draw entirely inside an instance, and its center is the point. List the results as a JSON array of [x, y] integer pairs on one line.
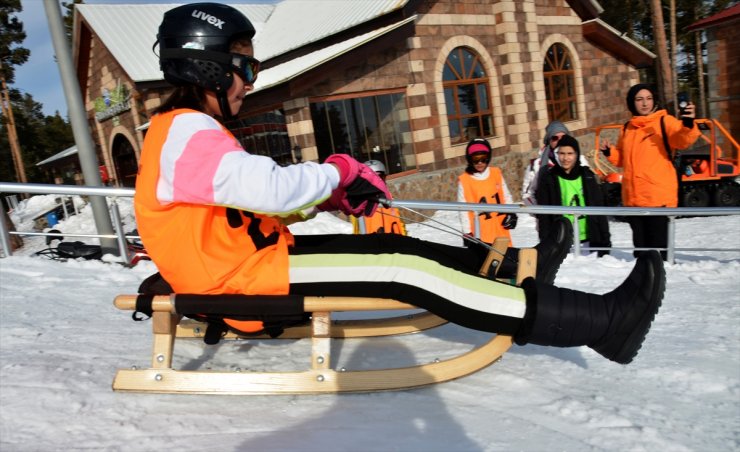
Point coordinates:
[[344, 328], [165, 303], [319, 376]]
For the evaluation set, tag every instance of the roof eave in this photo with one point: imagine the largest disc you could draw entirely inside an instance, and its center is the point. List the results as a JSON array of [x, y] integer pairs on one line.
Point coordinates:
[[621, 47], [714, 21], [586, 9], [398, 27]]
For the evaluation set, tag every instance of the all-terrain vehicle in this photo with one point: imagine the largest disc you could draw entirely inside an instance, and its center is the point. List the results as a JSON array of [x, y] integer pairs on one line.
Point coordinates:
[[708, 171]]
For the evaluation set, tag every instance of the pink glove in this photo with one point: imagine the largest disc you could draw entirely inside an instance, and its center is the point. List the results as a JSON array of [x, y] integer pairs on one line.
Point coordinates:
[[359, 188]]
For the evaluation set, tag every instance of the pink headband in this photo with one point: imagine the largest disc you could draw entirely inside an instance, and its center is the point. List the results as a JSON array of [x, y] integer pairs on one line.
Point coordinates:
[[478, 147]]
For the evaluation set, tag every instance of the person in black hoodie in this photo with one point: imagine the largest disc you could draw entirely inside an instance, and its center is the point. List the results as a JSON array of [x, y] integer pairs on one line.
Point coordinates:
[[568, 183]]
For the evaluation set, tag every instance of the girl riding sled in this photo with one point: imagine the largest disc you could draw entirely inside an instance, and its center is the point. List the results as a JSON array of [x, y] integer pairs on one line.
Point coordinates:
[[213, 216]]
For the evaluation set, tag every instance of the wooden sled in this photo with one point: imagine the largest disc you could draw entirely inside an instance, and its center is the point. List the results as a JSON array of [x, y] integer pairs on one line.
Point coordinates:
[[320, 377]]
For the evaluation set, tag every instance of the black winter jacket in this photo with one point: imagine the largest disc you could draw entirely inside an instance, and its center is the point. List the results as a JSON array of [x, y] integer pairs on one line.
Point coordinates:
[[548, 194]]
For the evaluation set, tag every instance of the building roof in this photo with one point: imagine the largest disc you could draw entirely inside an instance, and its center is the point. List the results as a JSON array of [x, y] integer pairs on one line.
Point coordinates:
[[297, 66], [295, 23], [726, 15], [128, 31]]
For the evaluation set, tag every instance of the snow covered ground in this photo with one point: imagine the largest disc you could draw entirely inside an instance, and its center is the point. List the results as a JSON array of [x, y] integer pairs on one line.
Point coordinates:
[[61, 341]]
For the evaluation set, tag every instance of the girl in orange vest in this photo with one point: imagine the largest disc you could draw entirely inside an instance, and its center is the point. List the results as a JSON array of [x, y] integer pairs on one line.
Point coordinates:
[[213, 216], [484, 184]]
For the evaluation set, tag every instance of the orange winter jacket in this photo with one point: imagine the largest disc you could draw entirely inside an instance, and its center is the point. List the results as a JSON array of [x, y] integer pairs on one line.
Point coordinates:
[[649, 178], [201, 248]]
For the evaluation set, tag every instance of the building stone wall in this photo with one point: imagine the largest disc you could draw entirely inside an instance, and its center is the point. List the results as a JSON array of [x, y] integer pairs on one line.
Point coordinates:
[[104, 72], [723, 67]]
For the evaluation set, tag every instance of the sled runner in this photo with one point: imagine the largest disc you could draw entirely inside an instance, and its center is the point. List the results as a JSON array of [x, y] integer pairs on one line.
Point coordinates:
[[168, 310]]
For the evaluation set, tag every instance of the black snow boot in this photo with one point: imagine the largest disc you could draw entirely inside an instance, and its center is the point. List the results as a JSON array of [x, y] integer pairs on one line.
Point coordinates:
[[552, 250], [550, 254], [614, 324]]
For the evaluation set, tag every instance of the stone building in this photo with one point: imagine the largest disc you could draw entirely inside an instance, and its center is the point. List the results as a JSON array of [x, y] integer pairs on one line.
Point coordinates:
[[408, 82]]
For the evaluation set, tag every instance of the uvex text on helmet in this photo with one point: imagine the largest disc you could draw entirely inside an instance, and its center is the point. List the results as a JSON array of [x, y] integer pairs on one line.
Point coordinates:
[[194, 42]]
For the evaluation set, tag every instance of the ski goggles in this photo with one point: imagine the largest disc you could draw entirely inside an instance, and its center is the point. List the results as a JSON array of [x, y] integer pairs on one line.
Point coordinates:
[[476, 159], [246, 66]]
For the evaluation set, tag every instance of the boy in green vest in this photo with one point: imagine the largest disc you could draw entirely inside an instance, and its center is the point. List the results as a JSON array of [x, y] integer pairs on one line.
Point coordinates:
[[568, 183]]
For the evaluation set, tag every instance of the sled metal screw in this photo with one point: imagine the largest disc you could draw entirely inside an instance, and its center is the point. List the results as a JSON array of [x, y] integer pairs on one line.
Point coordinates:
[[196, 330], [436, 360], [343, 369], [320, 359], [158, 377], [160, 358], [320, 378], [134, 367]]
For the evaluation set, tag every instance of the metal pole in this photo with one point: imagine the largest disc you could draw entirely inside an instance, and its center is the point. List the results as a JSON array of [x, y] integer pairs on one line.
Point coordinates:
[[5, 238], [85, 147], [122, 246], [64, 206], [670, 252], [576, 237], [476, 224], [361, 225]]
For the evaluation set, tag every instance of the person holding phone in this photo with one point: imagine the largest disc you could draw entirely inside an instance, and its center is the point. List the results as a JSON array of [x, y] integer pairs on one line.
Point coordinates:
[[645, 150]]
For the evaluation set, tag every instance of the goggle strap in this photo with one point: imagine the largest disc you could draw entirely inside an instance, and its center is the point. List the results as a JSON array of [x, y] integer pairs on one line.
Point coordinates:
[[208, 55], [197, 54]]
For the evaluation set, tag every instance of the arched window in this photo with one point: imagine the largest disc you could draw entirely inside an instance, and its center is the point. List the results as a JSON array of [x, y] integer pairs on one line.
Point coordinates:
[[467, 96], [560, 88]]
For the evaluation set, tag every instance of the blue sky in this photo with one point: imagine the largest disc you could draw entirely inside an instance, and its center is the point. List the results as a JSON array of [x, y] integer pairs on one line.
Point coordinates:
[[40, 77]]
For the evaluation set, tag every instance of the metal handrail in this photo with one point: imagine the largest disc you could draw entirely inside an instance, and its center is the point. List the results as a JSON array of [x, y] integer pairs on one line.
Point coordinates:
[[112, 192]]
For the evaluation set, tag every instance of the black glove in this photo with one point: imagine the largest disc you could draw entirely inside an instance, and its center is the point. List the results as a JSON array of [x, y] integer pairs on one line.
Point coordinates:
[[607, 151], [509, 221], [688, 122], [363, 193]]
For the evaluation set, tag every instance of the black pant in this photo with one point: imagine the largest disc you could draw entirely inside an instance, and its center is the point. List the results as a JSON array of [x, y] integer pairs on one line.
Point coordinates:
[[440, 278], [649, 232]]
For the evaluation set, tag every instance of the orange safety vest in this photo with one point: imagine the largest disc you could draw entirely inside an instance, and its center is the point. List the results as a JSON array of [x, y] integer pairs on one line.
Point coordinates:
[[384, 220], [488, 191], [207, 249]]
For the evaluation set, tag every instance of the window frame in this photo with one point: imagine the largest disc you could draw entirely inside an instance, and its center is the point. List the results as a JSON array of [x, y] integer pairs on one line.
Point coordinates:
[[561, 97], [457, 120], [357, 138]]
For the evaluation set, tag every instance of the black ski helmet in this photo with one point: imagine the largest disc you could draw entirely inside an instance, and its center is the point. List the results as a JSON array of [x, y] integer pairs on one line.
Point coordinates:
[[476, 146], [194, 42]]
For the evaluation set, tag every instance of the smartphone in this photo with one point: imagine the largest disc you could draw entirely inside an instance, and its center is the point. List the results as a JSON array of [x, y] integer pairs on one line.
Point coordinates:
[[683, 102]]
